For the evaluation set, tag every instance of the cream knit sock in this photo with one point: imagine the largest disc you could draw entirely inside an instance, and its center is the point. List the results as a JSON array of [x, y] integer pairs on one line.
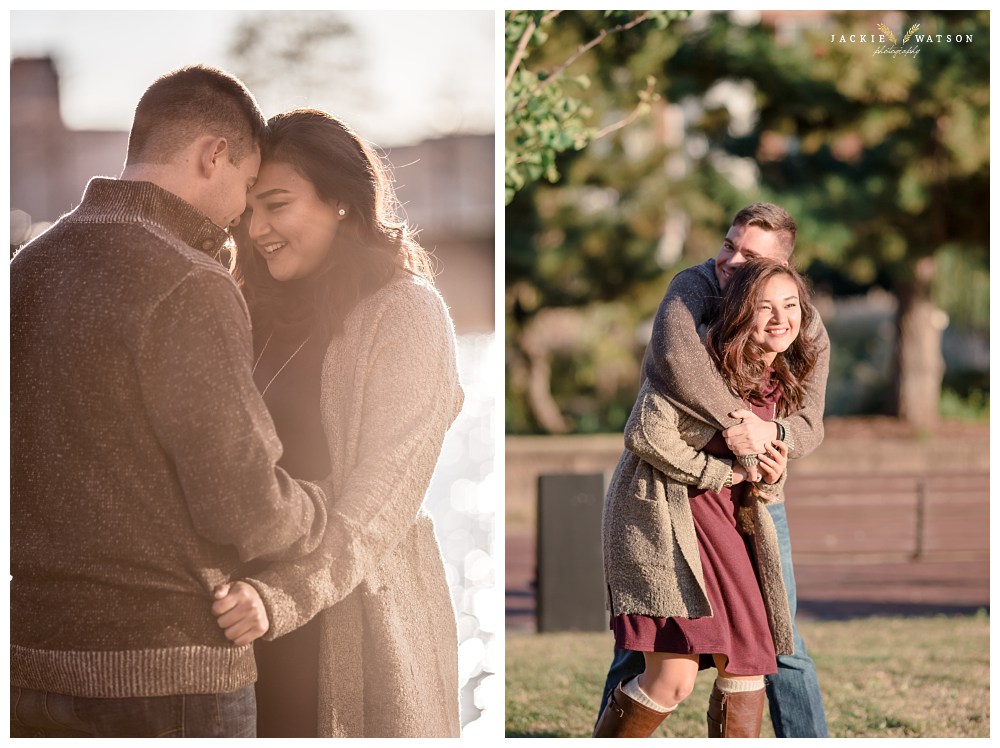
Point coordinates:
[[739, 685], [631, 689]]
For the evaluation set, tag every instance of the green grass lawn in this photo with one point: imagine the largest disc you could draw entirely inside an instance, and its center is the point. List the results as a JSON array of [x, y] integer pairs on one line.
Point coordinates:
[[880, 677]]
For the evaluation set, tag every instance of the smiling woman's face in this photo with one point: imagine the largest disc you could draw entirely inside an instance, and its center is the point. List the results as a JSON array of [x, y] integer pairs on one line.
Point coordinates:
[[290, 226], [779, 316]]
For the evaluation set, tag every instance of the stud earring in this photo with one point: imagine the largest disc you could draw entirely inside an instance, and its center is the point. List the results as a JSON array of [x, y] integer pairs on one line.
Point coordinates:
[[342, 212]]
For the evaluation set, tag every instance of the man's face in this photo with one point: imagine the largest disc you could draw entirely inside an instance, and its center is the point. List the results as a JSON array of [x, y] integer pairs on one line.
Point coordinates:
[[744, 243], [233, 181]]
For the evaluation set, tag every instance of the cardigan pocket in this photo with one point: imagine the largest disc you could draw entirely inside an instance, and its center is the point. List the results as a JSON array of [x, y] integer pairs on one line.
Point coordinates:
[[639, 555], [647, 536], [649, 573]]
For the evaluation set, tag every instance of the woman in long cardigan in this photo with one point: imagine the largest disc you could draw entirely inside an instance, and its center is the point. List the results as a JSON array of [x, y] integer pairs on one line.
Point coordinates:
[[355, 358], [690, 551]]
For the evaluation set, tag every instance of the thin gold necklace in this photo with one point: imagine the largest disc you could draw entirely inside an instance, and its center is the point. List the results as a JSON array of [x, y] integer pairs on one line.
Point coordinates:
[[287, 361]]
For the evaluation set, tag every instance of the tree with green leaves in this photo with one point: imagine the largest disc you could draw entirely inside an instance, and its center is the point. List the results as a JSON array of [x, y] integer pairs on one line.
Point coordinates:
[[543, 114], [561, 333]]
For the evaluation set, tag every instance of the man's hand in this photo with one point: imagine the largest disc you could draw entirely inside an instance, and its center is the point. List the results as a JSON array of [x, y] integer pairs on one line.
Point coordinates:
[[773, 461], [240, 612], [750, 436]]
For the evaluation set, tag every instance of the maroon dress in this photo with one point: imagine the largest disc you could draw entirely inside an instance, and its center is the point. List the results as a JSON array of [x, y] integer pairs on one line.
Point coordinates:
[[738, 627]]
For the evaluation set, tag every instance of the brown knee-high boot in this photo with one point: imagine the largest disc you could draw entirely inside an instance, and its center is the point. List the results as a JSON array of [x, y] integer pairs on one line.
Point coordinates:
[[624, 717], [735, 715]]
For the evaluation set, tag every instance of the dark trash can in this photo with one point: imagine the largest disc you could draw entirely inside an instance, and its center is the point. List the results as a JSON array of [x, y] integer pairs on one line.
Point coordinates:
[[570, 573]]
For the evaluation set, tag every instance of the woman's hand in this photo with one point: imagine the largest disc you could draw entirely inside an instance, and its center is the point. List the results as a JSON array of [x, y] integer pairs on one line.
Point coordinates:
[[773, 461], [740, 473], [240, 612]]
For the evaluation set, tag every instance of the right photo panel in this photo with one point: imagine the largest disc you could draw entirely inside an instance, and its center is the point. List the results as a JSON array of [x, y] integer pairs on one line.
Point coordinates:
[[747, 373]]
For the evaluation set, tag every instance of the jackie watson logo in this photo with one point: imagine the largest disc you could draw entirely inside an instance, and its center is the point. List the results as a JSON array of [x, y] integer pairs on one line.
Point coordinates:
[[886, 43]]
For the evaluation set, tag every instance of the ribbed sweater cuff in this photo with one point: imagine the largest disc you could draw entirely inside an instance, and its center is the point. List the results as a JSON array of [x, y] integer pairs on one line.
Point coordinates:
[[133, 673], [716, 472]]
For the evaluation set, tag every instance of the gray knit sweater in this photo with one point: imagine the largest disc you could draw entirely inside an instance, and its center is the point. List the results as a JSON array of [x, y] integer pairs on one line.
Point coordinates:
[[142, 458]]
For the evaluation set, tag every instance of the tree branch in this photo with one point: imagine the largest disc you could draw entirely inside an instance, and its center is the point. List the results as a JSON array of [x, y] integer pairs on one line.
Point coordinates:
[[523, 44], [604, 34], [643, 100], [519, 53]]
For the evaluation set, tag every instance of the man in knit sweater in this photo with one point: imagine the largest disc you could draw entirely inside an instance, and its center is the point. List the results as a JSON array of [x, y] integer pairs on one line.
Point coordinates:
[[681, 370], [143, 461]]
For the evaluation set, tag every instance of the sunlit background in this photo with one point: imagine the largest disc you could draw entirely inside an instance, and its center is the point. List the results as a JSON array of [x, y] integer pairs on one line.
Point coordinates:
[[419, 86]]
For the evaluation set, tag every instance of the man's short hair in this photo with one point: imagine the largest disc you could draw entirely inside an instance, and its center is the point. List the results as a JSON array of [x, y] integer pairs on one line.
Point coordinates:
[[770, 217], [187, 103]]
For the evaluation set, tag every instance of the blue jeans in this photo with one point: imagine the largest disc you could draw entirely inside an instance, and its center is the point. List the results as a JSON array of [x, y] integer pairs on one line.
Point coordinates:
[[793, 693], [43, 714]]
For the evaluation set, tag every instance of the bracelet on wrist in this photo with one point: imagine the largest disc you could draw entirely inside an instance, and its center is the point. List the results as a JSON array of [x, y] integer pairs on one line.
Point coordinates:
[[781, 431]]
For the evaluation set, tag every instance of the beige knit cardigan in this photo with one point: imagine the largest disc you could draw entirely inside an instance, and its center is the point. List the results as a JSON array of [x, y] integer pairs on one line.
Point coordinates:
[[651, 561], [389, 649]]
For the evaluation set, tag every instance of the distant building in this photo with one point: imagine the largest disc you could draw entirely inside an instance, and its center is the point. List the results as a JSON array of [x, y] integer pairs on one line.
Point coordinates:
[[49, 164], [446, 186]]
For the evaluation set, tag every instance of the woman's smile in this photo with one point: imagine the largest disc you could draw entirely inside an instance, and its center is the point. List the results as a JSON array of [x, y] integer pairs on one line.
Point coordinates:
[[270, 249]]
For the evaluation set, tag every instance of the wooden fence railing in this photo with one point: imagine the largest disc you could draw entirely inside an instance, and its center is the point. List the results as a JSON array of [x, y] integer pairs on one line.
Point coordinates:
[[924, 516]]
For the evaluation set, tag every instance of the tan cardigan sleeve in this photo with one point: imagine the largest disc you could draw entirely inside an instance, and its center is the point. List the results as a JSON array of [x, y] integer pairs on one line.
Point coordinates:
[[653, 435], [409, 395]]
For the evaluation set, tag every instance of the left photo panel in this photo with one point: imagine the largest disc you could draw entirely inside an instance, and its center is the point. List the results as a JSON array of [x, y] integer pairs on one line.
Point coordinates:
[[253, 468]]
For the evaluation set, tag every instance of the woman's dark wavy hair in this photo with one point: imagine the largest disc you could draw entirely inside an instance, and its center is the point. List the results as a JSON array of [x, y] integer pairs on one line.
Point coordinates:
[[372, 243], [739, 359]]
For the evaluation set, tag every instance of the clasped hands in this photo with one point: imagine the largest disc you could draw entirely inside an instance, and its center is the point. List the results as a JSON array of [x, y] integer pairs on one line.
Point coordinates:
[[754, 436], [240, 612]]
